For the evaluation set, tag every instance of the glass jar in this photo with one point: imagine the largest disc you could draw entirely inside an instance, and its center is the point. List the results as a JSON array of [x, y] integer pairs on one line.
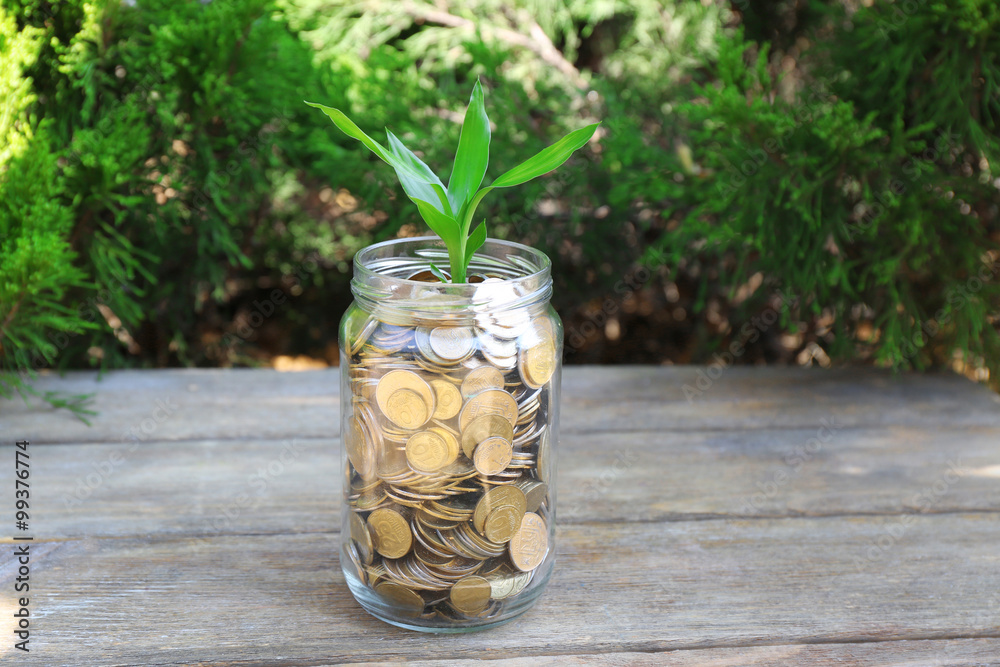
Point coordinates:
[[449, 421]]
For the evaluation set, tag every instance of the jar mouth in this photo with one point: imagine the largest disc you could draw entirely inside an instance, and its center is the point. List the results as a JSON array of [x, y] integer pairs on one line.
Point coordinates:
[[517, 277], [399, 259]]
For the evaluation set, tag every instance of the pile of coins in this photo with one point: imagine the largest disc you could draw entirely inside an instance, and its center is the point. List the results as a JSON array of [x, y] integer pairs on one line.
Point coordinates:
[[447, 469]]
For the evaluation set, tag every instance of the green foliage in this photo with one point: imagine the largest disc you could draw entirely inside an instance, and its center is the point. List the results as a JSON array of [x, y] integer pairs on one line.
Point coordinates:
[[38, 265], [449, 213], [162, 188], [874, 215]]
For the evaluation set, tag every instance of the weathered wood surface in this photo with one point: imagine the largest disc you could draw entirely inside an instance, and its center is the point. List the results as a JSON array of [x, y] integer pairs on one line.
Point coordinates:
[[783, 516]]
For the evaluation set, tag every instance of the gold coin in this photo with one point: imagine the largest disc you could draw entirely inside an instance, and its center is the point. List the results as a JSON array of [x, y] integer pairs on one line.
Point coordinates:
[[505, 583], [470, 595], [394, 381], [542, 460], [406, 409], [452, 443], [401, 597], [390, 532], [534, 491], [530, 543], [359, 449], [501, 524], [362, 539], [480, 379], [498, 496], [428, 452], [481, 428], [449, 399], [452, 343], [538, 363], [359, 569], [489, 402], [492, 456]]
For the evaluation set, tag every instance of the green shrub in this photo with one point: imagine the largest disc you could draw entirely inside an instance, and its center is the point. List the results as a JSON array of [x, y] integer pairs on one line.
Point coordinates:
[[167, 199]]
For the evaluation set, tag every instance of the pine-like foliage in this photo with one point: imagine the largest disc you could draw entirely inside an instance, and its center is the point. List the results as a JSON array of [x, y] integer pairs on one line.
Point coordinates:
[[37, 265], [163, 187], [860, 200]]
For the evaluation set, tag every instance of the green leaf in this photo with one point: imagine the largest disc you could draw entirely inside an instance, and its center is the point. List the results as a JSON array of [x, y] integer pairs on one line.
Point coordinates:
[[476, 240], [440, 223], [548, 159], [348, 127], [428, 187], [438, 273], [418, 184], [473, 152]]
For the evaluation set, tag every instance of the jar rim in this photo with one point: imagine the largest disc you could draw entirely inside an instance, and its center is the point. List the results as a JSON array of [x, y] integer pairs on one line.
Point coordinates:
[[384, 249], [522, 278]]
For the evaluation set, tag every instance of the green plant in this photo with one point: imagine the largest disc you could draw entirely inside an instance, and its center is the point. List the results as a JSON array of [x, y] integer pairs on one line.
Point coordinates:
[[449, 212]]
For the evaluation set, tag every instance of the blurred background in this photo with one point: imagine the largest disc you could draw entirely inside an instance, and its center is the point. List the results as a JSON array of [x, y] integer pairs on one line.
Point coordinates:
[[787, 182]]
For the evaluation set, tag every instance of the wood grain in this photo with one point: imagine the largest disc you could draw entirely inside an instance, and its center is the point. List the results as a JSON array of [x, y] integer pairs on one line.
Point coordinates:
[[243, 403], [784, 516], [617, 588], [276, 486]]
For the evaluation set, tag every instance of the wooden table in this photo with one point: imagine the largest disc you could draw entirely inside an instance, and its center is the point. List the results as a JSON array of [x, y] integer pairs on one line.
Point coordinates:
[[781, 516]]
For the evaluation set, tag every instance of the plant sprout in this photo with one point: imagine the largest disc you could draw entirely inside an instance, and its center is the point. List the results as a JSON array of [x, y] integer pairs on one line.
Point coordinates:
[[449, 211]]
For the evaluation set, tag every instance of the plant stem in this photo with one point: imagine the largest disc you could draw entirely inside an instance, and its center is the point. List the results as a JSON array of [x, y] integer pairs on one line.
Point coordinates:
[[456, 256]]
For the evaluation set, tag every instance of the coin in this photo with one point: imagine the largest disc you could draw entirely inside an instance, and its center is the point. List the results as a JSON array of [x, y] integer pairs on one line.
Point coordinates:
[[359, 570], [484, 427], [480, 379], [492, 456], [406, 409], [402, 598], [453, 449], [362, 538], [489, 402], [534, 492], [396, 380], [452, 343], [471, 594], [542, 460], [447, 534], [449, 399], [530, 543], [538, 363], [357, 330], [498, 496], [390, 532], [359, 449], [428, 452], [501, 524], [506, 583]]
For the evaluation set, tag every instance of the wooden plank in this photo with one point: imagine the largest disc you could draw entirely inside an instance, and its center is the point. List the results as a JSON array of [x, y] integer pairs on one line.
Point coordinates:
[[275, 486], [242, 403], [926, 653], [617, 588]]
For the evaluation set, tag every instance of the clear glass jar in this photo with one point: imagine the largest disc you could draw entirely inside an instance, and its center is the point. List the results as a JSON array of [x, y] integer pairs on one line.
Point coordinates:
[[449, 421]]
